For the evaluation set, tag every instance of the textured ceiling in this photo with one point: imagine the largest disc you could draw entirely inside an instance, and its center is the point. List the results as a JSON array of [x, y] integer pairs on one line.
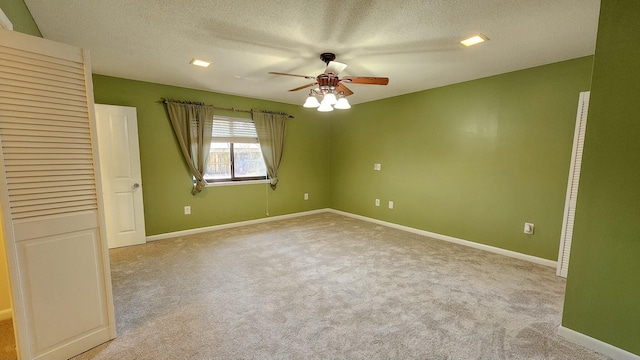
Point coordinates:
[[413, 42]]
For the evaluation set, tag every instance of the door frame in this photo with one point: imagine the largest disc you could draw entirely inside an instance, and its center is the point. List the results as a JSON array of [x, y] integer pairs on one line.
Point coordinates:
[[566, 235]]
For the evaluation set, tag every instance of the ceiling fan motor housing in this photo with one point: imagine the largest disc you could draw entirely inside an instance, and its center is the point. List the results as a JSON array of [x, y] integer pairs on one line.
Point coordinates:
[[327, 82]]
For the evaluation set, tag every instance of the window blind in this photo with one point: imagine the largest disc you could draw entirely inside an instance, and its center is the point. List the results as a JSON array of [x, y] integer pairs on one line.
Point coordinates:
[[236, 130]]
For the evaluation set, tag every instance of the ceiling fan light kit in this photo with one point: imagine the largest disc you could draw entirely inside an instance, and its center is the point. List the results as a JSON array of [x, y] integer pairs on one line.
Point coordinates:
[[329, 98], [342, 104], [325, 107], [312, 101], [329, 92]]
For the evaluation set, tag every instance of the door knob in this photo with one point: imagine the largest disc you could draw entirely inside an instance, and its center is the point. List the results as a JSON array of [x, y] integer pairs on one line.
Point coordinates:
[[136, 185]]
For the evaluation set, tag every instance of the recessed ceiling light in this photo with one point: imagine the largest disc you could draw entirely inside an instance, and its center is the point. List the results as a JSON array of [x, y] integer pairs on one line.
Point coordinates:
[[477, 39], [198, 62]]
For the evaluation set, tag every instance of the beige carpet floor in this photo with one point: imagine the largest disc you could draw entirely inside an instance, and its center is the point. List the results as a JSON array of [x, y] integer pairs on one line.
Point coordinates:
[[7, 341], [330, 287]]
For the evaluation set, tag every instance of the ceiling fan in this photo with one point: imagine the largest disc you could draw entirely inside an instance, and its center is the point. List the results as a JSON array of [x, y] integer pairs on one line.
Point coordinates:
[[330, 86]]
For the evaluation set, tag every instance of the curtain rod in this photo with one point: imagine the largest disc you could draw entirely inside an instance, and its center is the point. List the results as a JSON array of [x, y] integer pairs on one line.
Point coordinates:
[[164, 101]]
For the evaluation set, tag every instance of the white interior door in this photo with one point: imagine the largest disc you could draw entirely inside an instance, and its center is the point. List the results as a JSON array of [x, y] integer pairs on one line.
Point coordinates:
[[572, 186], [121, 177], [51, 212]]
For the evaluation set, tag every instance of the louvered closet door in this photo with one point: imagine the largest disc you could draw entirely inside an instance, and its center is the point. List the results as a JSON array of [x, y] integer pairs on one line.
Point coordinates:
[[572, 187], [50, 208]]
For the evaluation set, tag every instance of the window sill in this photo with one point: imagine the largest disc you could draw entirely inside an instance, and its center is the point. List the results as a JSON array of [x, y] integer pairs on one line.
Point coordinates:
[[233, 183]]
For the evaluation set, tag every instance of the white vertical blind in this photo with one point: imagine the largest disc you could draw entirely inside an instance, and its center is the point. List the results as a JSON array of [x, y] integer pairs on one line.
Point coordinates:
[[572, 187]]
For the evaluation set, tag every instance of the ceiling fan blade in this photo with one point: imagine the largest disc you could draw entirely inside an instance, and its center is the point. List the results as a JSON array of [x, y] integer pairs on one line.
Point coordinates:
[[366, 80], [343, 89], [303, 86], [335, 68], [303, 76]]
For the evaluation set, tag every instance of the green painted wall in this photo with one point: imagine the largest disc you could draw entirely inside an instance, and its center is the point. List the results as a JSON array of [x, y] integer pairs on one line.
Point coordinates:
[[20, 17], [473, 160], [167, 181], [603, 287]]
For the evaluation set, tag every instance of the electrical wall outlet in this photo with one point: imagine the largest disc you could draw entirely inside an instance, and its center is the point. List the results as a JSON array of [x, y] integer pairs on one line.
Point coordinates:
[[390, 204], [377, 167], [377, 202], [306, 196], [187, 210], [528, 228]]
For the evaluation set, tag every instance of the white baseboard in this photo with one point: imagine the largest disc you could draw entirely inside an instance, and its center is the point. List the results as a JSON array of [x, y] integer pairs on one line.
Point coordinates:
[[231, 225], [468, 243], [6, 314], [596, 345], [472, 244]]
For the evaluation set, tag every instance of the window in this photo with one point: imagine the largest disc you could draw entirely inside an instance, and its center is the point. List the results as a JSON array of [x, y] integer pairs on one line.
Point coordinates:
[[235, 153]]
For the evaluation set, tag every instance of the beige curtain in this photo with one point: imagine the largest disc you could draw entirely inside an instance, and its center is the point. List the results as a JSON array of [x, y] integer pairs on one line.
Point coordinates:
[[270, 129], [192, 124]]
